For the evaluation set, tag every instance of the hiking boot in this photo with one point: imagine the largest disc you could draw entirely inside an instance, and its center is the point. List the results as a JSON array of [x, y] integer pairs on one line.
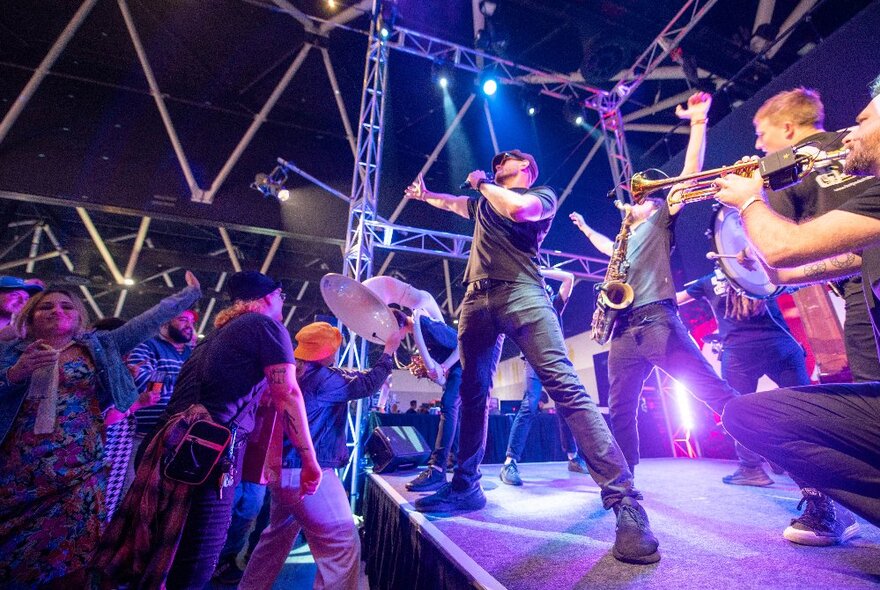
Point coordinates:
[[448, 500], [634, 542], [748, 476], [510, 475], [578, 465], [823, 522], [227, 572], [427, 480]]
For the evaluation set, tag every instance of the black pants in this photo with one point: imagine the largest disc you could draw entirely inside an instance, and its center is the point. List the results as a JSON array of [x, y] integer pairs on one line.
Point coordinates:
[[204, 532], [825, 436], [858, 334]]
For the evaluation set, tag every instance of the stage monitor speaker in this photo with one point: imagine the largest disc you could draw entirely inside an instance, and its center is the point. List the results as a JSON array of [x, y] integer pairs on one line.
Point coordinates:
[[393, 447]]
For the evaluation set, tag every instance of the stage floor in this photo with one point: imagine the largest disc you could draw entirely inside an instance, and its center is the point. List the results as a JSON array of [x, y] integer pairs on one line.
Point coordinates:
[[552, 533]]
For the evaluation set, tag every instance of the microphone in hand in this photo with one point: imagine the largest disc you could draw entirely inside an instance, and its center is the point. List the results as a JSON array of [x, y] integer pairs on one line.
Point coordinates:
[[466, 184]]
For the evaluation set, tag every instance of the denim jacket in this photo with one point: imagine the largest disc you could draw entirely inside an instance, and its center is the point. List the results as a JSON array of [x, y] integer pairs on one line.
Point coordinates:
[[115, 384], [326, 392]]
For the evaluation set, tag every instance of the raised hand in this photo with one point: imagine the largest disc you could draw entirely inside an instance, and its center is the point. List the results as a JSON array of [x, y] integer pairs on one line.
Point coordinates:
[[191, 280], [578, 220], [416, 190], [697, 107]]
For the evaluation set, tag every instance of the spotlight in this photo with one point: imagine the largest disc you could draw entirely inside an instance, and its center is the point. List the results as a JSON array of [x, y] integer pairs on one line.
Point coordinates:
[[573, 112], [490, 86], [387, 19], [272, 185], [441, 73], [530, 102], [579, 120], [128, 282], [682, 400], [532, 111]]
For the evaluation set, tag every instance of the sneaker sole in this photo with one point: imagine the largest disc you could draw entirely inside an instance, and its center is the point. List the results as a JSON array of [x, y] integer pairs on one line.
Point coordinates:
[[450, 507], [425, 488], [639, 560], [754, 484], [802, 537]]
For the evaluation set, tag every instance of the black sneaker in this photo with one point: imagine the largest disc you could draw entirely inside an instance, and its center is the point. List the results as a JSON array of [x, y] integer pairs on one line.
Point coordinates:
[[634, 542], [227, 572], [823, 522], [427, 480], [578, 465], [448, 500], [510, 475], [748, 476]]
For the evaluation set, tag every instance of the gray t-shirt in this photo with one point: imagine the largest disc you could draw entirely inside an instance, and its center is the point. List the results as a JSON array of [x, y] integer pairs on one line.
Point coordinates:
[[504, 249], [650, 272]]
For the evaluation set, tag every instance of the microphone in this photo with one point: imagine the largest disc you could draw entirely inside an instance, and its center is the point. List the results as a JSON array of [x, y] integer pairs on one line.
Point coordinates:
[[466, 185]]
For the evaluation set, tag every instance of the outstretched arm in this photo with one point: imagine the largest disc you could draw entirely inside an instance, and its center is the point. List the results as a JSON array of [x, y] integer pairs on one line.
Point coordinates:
[[446, 202], [602, 243], [697, 112], [563, 276]]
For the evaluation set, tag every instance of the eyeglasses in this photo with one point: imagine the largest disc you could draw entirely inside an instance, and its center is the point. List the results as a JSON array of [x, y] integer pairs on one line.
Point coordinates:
[[282, 295]]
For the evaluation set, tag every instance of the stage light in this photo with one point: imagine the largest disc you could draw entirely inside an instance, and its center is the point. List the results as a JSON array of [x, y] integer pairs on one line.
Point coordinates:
[[490, 86], [579, 120], [128, 282], [530, 101], [532, 111], [272, 185], [387, 19], [443, 81], [385, 32], [683, 402], [441, 73], [573, 111]]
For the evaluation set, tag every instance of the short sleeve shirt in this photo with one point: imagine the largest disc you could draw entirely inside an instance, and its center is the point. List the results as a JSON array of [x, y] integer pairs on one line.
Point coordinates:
[[650, 270], [504, 249], [868, 204], [225, 370], [749, 332]]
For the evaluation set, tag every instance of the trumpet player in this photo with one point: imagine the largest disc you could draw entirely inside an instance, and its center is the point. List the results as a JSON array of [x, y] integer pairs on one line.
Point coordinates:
[[649, 333], [826, 436], [505, 295], [797, 117]]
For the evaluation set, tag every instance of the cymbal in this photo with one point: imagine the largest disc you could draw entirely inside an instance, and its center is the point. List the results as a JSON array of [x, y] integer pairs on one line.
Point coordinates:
[[358, 308]]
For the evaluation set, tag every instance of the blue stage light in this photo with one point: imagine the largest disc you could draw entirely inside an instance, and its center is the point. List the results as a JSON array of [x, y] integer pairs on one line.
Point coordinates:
[[384, 32], [443, 82], [490, 87]]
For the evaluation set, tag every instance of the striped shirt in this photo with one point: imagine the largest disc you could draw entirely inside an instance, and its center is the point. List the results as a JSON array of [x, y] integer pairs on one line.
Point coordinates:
[[155, 363]]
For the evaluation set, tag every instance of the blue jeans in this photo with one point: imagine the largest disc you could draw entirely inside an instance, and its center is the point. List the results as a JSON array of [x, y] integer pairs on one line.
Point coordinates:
[[525, 417], [653, 336], [523, 313], [450, 404], [783, 361], [246, 507]]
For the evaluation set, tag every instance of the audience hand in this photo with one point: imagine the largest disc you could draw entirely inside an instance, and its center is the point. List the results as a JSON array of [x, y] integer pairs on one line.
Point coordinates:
[[37, 354], [191, 280]]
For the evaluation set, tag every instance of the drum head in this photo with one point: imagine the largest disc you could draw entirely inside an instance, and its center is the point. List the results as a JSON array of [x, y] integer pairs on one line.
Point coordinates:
[[358, 308], [729, 238]]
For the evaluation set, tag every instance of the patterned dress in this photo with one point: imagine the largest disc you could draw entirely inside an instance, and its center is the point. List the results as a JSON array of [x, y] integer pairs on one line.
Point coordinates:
[[52, 485]]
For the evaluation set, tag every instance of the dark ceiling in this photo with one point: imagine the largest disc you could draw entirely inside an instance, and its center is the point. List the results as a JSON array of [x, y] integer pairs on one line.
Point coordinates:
[[92, 136]]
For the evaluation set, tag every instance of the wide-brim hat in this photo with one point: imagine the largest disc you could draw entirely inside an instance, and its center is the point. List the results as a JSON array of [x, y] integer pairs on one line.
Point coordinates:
[[519, 155]]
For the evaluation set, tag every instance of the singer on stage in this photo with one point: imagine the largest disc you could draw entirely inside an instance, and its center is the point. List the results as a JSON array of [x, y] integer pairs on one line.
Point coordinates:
[[505, 296]]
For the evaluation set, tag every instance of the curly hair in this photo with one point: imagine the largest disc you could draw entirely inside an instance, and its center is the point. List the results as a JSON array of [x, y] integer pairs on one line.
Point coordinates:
[[238, 308]]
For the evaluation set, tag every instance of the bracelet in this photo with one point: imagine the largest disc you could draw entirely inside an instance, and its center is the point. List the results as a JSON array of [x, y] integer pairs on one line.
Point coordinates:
[[483, 181], [751, 201], [699, 122]]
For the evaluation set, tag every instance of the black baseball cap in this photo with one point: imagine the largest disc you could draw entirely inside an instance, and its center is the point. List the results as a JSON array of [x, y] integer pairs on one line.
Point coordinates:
[[518, 155], [249, 285]]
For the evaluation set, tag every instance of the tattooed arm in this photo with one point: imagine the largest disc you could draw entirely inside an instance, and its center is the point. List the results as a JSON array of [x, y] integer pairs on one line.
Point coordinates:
[[836, 267], [288, 401]]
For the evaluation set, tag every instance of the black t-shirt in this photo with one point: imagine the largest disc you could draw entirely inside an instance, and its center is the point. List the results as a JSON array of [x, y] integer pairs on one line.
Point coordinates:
[[759, 330], [650, 270], [504, 249], [225, 370], [823, 189], [868, 204]]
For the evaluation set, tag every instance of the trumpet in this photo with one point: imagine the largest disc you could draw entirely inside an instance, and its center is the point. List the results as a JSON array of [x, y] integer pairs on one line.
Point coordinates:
[[779, 170]]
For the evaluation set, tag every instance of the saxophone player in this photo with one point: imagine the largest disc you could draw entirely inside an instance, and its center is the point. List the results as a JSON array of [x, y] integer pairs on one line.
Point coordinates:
[[505, 296], [649, 333]]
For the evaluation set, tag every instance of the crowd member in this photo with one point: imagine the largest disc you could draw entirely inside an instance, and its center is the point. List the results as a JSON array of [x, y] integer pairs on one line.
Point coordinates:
[[56, 383], [796, 118], [325, 517], [826, 436], [649, 333], [413, 407], [505, 295], [168, 532], [525, 416], [14, 294], [154, 365]]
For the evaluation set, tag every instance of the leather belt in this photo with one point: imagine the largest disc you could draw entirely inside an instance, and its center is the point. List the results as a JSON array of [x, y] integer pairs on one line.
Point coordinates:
[[486, 284]]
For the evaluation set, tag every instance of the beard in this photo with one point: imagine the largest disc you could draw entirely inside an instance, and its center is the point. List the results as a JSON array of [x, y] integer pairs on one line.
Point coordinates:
[[864, 159], [180, 336]]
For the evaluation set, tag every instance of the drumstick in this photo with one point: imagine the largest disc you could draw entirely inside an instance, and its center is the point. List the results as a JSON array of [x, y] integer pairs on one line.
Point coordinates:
[[715, 255]]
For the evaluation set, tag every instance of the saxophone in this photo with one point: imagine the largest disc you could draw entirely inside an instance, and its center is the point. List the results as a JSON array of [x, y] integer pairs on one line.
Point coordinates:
[[613, 294]]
